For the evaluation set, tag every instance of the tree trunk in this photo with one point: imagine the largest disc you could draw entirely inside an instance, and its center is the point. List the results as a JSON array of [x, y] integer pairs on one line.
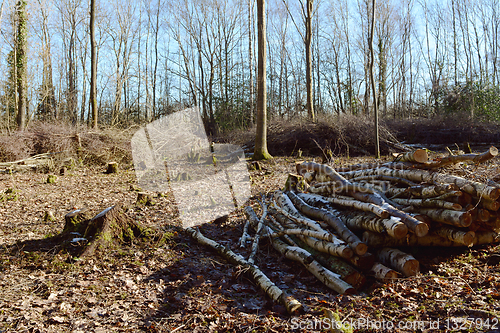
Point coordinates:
[[21, 63], [372, 79], [308, 42], [93, 60], [260, 152]]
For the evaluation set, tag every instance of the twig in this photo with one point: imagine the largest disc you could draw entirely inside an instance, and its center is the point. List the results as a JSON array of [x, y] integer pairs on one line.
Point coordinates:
[[245, 234], [256, 239]]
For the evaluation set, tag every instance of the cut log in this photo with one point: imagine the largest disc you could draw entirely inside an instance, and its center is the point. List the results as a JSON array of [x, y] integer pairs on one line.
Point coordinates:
[[430, 191], [451, 217], [258, 233], [291, 212], [326, 276], [476, 158], [400, 261], [428, 202], [334, 221], [383, 273], [419, 156], [488, 204], [384, 178], [275, 293], [459, 236], [334, 264], [364, 262], [393, 226], [472, 187], [382, 240], [337, 249], [318, 200]]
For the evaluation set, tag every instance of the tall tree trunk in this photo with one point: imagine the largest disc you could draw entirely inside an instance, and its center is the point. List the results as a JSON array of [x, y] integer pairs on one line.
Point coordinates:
[[260, 151], [308, 40], [93, 60], [372, 79], [250, 59], [21, 62]]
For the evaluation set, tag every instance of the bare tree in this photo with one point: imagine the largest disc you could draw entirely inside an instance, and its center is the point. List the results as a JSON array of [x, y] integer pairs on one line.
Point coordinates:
[[21, 62], [260, 151], [372, 79], [93, 61]]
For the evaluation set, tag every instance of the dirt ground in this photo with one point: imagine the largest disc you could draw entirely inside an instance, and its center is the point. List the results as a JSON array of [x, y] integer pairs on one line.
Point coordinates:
[[169, 283]]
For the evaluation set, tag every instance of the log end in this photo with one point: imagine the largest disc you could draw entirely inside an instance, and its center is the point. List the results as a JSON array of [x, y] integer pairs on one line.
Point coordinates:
[[420, 156], [465, 220], [350, 291], [495, 194], [421, 229], [468, 238], [291, 304], [411, 268], [400, 231], [347, 253], [483, 215], [360, 248], [493, 151]]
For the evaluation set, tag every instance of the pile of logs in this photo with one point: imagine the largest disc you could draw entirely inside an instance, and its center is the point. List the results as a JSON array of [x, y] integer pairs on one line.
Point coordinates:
[[342, 224]]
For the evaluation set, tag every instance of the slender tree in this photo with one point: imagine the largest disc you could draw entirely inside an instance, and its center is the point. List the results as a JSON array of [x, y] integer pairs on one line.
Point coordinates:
[[93, 60], [260, 152], [372, 79], [21, 63], [309, 74]]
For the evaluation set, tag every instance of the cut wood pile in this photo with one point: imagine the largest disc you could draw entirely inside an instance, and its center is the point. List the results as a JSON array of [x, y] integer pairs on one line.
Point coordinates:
[[346, 223], [36, 162]]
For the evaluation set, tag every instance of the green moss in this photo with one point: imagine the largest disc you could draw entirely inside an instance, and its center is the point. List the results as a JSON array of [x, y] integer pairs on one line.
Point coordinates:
[[51, 179], [10, 194]]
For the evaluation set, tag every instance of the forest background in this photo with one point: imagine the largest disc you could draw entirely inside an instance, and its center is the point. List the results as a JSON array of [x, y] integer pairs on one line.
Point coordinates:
[[158, 56]]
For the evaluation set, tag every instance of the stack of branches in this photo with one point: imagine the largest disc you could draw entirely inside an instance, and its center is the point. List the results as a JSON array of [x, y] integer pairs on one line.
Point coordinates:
[[342, 224], [31, 163]]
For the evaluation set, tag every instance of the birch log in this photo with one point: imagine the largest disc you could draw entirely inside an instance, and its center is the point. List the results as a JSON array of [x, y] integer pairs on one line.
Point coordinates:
[[383, 272], [336, 223], [459, 236], [393, 226], [318, 200], [419, 156], [472, 187], [337, 265], [295, 253], [428, 202], [451, 217], [373, 239], [276, 294], [400, 261], [476, 158], [337, 249]]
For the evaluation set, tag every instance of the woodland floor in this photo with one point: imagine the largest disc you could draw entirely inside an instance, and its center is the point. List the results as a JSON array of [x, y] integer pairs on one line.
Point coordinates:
[[171, 283]]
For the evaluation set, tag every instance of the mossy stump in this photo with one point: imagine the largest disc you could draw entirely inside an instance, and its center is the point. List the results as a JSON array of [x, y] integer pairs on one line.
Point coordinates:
[[112, 168], [144, 199], [106, 230], [51, 179]]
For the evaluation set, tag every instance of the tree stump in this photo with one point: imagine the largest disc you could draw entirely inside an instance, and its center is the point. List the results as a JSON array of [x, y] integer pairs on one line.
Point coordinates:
[[112, 167], [106, 230], [145, 199], [51, 179]]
